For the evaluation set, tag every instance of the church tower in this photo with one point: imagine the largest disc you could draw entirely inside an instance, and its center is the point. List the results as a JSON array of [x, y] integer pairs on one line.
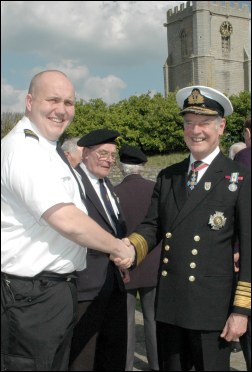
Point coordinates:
[[208, 44]]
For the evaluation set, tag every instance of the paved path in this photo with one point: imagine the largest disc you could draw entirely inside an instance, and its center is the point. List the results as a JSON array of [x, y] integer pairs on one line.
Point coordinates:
[[141, 364]]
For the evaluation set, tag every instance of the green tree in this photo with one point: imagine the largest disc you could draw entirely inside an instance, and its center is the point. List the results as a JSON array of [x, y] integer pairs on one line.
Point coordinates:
[[152, 123], [8, 121], [235, 122]]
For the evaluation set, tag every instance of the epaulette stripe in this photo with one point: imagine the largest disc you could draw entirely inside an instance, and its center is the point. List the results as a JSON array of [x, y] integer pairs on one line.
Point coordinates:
[[141, 246], [30, 133]]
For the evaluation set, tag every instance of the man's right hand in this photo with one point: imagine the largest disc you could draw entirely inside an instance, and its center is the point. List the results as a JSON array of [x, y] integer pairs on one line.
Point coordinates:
[[125, 255]]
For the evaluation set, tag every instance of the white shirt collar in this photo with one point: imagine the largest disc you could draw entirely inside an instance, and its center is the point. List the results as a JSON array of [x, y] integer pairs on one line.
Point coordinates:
[[209, 158]]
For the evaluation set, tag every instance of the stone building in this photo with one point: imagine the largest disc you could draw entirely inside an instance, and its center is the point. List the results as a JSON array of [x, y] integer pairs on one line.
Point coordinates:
[[208, 44]]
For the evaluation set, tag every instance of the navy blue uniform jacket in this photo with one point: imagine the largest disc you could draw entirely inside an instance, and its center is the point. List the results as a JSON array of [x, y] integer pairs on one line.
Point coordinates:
[[196, 277]]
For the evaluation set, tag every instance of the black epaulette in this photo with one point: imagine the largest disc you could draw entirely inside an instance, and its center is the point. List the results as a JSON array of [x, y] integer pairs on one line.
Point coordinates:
[[30, 133]]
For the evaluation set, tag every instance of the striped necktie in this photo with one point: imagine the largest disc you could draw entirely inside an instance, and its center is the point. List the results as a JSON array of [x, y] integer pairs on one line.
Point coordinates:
[[193, 175], [109, 208]]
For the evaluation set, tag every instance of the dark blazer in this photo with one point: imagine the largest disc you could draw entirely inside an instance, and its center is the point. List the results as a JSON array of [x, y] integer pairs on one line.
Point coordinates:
[[91, 280], [135, 194], [244, 156], [196, 274]]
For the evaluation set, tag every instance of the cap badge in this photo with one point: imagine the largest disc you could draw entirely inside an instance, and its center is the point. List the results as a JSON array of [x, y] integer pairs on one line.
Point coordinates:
[[217, 220], [196, 98], [233, 181]]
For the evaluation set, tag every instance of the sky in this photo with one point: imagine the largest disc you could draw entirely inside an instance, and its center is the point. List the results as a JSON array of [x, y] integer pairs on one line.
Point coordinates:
[[109, 49]]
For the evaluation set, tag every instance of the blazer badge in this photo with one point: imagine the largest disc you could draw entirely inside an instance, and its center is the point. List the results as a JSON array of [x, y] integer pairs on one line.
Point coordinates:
[[217, 220], [207, 186]]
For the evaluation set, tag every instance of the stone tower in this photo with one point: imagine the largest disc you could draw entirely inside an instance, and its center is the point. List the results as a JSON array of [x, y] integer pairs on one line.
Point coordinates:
[[208, 44]]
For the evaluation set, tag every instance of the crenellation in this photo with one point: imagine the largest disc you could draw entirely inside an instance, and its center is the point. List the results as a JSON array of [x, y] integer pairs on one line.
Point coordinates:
[[231, 9]]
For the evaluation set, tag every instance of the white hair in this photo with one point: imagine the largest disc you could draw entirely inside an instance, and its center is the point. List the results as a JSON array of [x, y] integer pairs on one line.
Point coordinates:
[[70, 144], [236, 147], [127, 169]]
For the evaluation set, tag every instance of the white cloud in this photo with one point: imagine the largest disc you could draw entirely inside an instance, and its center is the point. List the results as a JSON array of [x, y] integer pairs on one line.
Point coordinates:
[[94, 42], [107, 88], [12, 100], [92, 30]]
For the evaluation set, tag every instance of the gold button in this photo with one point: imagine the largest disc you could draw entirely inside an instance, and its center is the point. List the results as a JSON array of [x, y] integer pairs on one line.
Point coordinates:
[[191, 278], [194, 252], [164, 273], [168, 235], [167, 247], [192, 265], [196, 238], [165, 260]]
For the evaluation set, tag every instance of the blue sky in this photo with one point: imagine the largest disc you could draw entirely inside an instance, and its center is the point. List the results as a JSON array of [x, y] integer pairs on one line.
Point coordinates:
[[109, 49]]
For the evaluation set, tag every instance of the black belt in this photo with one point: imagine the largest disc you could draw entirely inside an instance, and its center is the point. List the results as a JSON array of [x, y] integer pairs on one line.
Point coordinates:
[[44, 274]]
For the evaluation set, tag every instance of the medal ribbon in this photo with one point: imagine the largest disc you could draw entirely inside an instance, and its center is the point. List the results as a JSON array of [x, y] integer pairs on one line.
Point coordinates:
[[193, 175]]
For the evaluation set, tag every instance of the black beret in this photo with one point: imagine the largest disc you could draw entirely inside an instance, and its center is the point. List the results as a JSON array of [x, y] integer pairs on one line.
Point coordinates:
[[97, 137], [131, 155]]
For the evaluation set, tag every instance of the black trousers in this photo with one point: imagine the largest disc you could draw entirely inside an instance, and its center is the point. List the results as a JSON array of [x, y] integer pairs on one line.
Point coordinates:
[[37, 318], [100, 336], [180, 349]]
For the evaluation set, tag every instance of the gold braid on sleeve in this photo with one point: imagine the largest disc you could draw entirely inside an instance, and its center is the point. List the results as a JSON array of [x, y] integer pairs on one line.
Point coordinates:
[[141, 246], [243, 295]]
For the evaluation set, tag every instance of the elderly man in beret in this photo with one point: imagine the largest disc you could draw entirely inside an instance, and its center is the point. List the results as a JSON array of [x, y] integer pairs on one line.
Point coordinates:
[[100, 336], [198, 207]]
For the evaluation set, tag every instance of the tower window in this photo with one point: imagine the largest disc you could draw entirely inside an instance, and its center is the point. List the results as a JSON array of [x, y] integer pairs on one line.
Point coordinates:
[[225, 45], [184, 46]]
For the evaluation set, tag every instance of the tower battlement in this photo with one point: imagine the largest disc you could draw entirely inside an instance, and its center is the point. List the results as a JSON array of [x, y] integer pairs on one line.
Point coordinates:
[[220, 7]]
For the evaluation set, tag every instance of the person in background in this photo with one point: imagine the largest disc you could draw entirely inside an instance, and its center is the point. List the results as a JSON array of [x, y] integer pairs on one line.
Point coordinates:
[[72, 151], [235, 148], [197, 207], [244, 157], [44, 232], [135, 193], [100, 336]]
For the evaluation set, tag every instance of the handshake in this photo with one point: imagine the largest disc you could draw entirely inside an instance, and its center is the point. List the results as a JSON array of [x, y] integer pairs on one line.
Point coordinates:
[[124, 255]]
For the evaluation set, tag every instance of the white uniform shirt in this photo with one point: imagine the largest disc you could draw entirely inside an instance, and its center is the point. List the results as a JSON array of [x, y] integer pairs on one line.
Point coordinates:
[[34, 178]]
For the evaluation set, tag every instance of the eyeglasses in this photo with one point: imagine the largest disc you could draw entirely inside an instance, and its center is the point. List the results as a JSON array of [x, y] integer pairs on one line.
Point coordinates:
[[106, 155]]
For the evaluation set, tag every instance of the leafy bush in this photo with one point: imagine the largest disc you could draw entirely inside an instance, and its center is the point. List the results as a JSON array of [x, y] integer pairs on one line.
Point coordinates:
[[152, 123], [8, 121]]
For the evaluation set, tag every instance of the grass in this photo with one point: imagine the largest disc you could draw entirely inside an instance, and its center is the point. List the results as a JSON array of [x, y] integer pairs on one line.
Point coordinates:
[[162, 161]]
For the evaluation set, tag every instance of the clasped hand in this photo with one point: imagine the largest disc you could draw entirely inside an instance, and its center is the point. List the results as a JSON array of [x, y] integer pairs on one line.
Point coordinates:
[[125, 256]]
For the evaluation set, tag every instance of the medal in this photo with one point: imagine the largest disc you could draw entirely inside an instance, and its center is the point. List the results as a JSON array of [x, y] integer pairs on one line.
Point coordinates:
[[232, 187], [217, 220], [233, 179]]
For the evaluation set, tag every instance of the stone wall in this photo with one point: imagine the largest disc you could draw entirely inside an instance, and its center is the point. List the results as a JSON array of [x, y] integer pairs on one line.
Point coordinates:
[[148, 172]]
